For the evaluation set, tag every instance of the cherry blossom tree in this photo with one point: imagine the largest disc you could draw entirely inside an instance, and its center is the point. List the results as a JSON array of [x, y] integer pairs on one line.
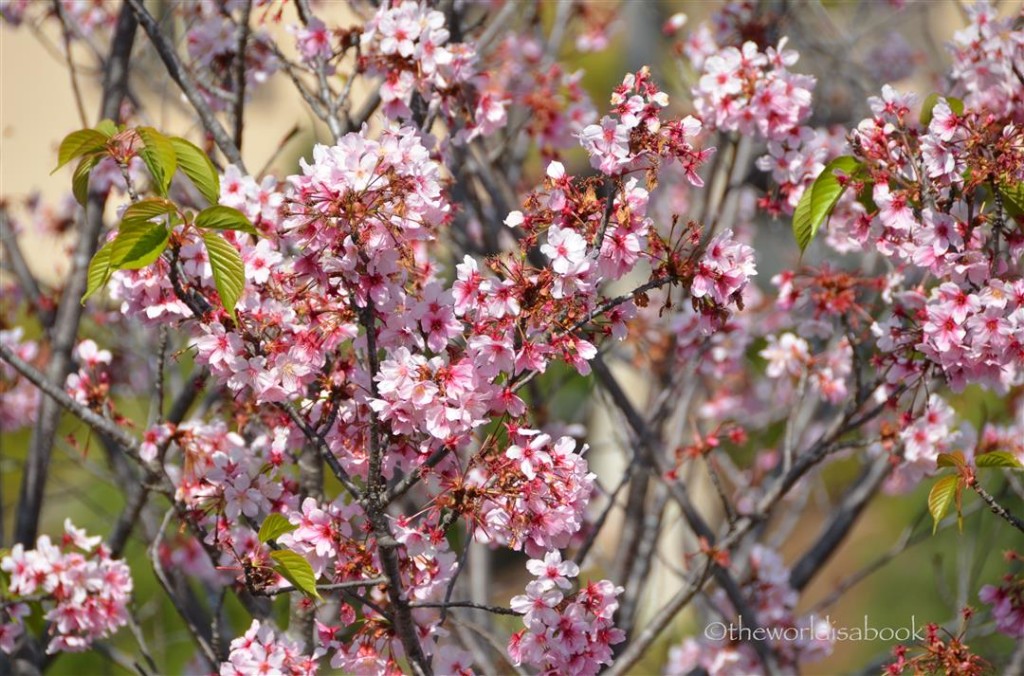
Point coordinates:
[[335, 400]]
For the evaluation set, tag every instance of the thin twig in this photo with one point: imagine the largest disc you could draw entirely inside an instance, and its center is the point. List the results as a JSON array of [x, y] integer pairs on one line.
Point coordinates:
[[335, 586], [64, 401], [996, 508], [154, 556], [65, 23], [497, 610]]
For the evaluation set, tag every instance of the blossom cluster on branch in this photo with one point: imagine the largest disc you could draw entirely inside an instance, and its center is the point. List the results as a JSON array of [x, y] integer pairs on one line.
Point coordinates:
[[355, 369]]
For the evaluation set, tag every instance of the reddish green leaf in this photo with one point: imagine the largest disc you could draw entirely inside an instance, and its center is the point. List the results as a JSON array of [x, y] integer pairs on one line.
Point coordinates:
[[148, 209], [820, 198], [954, 459], [158, 154], [80, 179], [99, 271]]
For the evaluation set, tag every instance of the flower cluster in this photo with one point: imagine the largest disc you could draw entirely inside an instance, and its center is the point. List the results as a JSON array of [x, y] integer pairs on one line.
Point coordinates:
[[222, 470], [635, 137], [752, 92], [84, 592], [984, 54], [89, 385], [559, 108], [724, 270], [407, 43], [936, 430], [1007, 601], [261, 650], [569, 633], [428, 567], [916, 215], [532, 497]]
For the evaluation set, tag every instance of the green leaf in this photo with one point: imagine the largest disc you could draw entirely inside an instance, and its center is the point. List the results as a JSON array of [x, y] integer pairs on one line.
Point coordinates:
[[99, 271], [955, 459], [820, 199], [802, 219], [158, 154], [198, 167], [146, 210], [296, 570], [78, 143], [274, 526], [1013, 198], [219, 217], [228, 270], [928, 107], [866, 197], [80, 179], [998, 459], [106, 127], [940, 498], [137, 245]]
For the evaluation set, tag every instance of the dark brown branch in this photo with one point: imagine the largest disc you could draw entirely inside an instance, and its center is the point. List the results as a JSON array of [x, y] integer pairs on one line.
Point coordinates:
[[325, 452], [404, 485], [375, 507], [839, 526], [69, 312]]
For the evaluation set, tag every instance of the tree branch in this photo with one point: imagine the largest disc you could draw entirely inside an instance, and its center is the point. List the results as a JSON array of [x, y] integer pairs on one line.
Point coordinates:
[[69, 312], [27, 281], [842, 521], [64, 401]]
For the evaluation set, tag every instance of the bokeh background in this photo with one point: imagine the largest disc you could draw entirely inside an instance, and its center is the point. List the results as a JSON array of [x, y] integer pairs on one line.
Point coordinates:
[[929, 582]]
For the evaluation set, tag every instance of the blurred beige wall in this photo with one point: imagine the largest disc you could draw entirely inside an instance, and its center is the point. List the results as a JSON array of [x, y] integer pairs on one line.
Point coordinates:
[[37, 109]]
